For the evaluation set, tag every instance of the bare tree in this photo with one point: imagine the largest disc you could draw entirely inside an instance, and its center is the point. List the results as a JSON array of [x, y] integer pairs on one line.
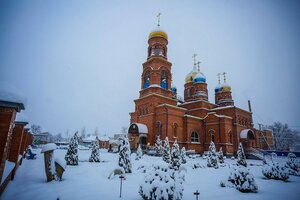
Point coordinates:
[[36, 129], [124, 129], [284, 137], [83, 132], [96, 133]]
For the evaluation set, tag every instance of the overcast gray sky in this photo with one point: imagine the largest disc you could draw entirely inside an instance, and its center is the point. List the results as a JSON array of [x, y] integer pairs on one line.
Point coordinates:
[[79, 63]]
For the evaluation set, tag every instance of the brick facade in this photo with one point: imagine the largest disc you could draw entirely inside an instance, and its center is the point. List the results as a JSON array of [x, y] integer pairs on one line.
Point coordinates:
[[194, 122]]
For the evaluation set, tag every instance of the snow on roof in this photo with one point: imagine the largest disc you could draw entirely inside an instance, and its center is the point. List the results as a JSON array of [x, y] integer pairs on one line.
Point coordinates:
[[21, 117], [103, 138], [89, 138], [244, 133], [48, 147], [142, 128], [221, 108], [154, 85], [9, 93]]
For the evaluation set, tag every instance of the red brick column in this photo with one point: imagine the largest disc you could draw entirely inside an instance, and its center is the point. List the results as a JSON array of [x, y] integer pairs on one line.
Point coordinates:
[[24, 141], [7, 119], [29, 140], [16, 145]]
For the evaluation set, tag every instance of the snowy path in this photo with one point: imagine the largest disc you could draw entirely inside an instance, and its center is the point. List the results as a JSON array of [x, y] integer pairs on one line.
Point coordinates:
[[88, 181]]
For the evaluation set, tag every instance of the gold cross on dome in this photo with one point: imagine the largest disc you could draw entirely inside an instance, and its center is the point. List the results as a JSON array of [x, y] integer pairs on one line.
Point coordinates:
[[194, 56], [198, 66], [158, 19], [224, 74], [219, 74]]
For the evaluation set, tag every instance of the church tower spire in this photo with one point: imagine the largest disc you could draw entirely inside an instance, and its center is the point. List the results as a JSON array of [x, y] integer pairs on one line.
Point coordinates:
[[223, 95], [156, 76]]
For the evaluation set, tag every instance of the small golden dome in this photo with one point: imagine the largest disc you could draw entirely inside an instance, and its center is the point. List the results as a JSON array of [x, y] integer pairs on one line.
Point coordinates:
[[158, 33], [190, 76], [225, 88]]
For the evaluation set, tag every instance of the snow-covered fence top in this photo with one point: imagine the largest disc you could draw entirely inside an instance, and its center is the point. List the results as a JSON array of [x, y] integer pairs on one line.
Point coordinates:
[[48, 147]]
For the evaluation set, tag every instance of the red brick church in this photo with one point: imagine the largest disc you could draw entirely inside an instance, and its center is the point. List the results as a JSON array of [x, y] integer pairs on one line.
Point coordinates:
[[193, 121]]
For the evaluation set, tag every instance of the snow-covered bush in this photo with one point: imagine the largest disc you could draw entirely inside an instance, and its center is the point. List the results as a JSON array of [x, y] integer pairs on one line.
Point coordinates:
[[221, 155], [124, 155], [292, 165], [139, 153], [241, 179], [175, 156], [95, 155], [166, 151], [197, 165], [183, 155], [212, 159], [241, 158], [72, 153], [158, 146], [162, 183], [275, 171]]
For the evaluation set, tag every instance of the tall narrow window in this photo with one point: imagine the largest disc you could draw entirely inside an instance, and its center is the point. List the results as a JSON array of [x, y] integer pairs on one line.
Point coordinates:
[[194, 137], [147, 80], [230, 137], [212, 135], [158, 128], [175, 130], [188, 92], [157, 50], [164, 80]]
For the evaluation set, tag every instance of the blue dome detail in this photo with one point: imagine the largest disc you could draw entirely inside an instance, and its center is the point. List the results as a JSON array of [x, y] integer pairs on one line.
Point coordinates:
[[174, 89], [218, 89], [200, 78]]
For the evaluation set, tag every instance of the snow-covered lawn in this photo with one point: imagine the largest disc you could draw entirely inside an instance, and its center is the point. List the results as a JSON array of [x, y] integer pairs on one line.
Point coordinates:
[[89, 181]]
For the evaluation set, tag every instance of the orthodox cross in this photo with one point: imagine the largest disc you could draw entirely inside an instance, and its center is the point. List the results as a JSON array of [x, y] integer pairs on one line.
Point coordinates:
[[219, 78], [197, 194], [158, 19], [121, 177], [224, 74], [194, 56], [198, 66]]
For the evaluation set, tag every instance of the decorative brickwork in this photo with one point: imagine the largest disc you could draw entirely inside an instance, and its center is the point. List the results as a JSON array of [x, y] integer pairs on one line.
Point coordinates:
[[194, 122]]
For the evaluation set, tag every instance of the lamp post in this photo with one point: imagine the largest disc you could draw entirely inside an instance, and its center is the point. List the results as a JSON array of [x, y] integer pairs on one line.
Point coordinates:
[[196, 194], [121, 177]]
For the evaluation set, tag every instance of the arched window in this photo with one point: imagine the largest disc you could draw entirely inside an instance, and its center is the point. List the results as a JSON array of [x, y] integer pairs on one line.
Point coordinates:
[[164, 80], [175, 126], [194, 137], [157, 50], [230, 137], [146, 79], [212, 135], [158, 128], [188, 92]]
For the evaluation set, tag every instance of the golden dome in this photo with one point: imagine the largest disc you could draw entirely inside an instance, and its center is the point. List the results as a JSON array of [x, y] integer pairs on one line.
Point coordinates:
[[190, 76], [158, 33], [225, 88]]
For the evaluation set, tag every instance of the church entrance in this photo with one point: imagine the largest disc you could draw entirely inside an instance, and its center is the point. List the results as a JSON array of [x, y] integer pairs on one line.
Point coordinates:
[[143, 141], [248, 139], [137, 134]]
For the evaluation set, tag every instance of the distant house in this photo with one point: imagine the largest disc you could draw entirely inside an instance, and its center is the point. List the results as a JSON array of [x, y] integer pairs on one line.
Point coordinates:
[[103, 142], [87, 142], [41, 138], [115, 142]]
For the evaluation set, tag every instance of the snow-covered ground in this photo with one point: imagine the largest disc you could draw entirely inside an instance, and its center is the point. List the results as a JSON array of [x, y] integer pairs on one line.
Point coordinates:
[[90, 181]]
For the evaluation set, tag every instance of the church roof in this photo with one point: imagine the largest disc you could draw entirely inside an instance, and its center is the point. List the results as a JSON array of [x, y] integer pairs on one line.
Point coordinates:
[[142, 128]]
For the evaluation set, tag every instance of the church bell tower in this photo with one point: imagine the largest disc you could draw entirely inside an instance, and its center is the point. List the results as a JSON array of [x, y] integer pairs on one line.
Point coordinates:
[[156, 76]]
